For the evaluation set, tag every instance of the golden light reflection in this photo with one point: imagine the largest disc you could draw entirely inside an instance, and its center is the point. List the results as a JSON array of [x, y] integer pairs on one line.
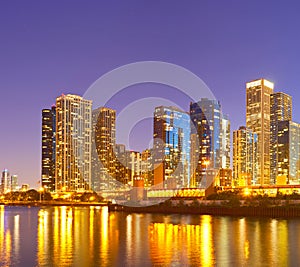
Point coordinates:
[[55, 239], [282, 253], [246, 249], [41, 238], [16, 234], [129, 235], [207, 250], [7, 248], [274, 238], [1, 229], [92, 215], [241, 238], [104, 231], [5, 240], [184, 243]]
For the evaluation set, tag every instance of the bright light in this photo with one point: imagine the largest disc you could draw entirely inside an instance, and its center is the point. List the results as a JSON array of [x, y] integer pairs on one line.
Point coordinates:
[[246, 192]]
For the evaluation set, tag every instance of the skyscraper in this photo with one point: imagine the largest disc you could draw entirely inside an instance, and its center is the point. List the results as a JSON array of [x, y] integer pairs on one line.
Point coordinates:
[[123, 172], [288, 149], [104, 138], [48, 148], [14, 183], [5, 182], [147, 167], [245, 165], [281, 110], [210, 139], [73, 143], [171, 147], [258, 120]]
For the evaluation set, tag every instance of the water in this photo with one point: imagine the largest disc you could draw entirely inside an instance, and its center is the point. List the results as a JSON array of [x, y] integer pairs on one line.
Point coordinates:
[[89, 236]]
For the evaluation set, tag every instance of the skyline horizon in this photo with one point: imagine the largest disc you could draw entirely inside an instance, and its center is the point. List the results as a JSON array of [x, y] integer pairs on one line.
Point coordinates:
[[142, 149]]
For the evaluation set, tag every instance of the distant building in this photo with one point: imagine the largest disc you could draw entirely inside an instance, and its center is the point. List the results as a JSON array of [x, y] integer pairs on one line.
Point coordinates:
[[135, 166], [258, 105], [48, 148], [288, 149], [25, 187], [123, 172], [245, 164], [210, 139], [171, 148], [281, 110], [224, 177], [14, 183], [73, 143], [5, 182], [104, 141], [147, 167]]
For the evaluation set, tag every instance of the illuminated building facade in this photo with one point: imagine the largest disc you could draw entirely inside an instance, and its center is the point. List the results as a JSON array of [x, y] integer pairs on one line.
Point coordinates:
[[135, 166], [147, 167], [104, 138], [210, 139], [123, 172], [48, 148], [281, 110], [14, 183], [73, 143], [171, 147], [5, 182], [258, 120], [224, 177], [245, 164], [288, 149]]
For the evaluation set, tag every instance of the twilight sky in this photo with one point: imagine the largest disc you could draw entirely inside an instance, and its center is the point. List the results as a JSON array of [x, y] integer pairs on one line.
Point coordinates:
[[52, 47]]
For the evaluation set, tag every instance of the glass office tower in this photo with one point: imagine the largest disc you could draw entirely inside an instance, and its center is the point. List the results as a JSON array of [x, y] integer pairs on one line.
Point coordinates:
[[288, 159], [210, 139], [48, 148], [281, 110], [171, 147]]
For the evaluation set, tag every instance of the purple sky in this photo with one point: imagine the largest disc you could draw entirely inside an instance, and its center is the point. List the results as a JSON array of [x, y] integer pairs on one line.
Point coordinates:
[[53, 47]]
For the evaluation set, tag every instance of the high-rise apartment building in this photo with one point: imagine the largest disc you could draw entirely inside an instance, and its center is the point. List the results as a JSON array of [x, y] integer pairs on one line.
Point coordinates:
[[245, 164], [123, 172], [5, 181], [288, 150], [210, 139], [48, 148], [14, 183], [281, 110], [171, 147], [73, 143], [147, 167], [258, 107], [104, 138]]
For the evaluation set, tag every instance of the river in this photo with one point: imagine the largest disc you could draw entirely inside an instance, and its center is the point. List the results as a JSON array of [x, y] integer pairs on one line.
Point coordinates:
[[92, 236]]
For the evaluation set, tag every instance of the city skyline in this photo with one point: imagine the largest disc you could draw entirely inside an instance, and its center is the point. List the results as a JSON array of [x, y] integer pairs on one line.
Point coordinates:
[[43, 57], [189, 148], [280, 105]]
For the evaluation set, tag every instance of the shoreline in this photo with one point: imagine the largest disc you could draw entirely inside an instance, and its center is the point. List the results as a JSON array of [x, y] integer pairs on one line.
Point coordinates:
[[44, 203], [214, 210]]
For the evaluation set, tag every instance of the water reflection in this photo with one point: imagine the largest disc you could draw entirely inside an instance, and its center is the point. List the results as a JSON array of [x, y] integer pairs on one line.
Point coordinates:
[[75, 236]]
